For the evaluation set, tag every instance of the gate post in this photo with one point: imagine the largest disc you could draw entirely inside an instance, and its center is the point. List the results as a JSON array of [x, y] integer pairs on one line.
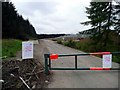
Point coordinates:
[[46, 64], [76, 62]]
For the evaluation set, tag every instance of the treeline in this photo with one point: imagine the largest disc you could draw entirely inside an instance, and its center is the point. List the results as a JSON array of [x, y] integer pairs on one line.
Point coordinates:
[[104, 17], [14, 25], [42, 36]]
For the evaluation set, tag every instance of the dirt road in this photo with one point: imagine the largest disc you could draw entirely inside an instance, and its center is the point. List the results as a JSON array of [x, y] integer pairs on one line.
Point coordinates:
[[78, 79]]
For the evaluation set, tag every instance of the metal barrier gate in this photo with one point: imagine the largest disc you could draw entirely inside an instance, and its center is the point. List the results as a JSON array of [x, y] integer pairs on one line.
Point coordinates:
[[48, 58]]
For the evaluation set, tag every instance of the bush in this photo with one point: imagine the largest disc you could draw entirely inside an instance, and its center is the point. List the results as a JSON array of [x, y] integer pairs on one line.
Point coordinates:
[[71, 43], [59, 41], [116, 59], [91, 46]]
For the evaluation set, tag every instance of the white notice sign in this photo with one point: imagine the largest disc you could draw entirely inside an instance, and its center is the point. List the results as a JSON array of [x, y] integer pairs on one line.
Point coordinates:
[[107, 61], [27, 50]]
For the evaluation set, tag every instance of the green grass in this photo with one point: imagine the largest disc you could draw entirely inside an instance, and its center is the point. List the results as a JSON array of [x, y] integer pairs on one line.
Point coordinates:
[[10, 47]]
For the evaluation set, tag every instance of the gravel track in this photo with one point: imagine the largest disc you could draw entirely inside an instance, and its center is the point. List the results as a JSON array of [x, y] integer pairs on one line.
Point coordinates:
[[78, 79]]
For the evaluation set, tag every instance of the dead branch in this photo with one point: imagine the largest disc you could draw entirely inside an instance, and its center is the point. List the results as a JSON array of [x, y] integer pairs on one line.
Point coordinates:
[[35, 73], [24, 83]]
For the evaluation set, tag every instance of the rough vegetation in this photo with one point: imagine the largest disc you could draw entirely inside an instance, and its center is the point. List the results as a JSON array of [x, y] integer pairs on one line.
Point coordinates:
[[90, 45], [28, 70]]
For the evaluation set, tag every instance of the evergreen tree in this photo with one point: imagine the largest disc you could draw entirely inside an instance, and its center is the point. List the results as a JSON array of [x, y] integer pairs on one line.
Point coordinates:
[[116, 17], [101, 20], [14, 25]]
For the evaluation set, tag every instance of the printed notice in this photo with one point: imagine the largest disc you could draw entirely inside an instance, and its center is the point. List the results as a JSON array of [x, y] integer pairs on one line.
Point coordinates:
[[27, 50], [107, 61]]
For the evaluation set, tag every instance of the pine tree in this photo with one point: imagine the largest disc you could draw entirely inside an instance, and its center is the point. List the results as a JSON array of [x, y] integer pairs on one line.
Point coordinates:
[[14, 25], [101, 20], [116, 17]]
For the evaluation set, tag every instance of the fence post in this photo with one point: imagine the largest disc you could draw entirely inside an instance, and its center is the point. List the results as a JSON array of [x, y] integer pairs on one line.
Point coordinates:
[[46, 64]]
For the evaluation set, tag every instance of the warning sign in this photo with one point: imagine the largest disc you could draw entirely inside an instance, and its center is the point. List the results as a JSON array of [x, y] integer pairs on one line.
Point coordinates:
[[27, 50], [107, 61]]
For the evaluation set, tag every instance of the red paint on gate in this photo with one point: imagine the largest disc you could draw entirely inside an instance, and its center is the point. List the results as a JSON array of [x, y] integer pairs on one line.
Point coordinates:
[[105, 52], [106, 68], [99, 68], [53, 56], [99, 53]]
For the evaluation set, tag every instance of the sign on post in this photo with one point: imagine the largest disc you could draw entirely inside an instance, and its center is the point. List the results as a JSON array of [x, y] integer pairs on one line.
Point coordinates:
[[107, 61], [27, 50]]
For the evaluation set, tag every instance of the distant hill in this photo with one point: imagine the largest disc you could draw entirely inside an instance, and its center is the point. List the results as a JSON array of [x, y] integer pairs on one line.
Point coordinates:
[[42, 36]]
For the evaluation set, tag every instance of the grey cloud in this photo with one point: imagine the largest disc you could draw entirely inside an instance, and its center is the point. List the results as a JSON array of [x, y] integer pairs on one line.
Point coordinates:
[[46, 18], [28, 8]]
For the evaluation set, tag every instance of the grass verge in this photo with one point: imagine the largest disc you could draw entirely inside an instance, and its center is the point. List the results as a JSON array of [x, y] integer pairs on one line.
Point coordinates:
[[10, 47], [86, 45]]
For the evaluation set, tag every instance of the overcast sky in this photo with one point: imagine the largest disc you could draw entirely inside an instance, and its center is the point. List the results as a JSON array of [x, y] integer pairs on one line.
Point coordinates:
[[54, 16]]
